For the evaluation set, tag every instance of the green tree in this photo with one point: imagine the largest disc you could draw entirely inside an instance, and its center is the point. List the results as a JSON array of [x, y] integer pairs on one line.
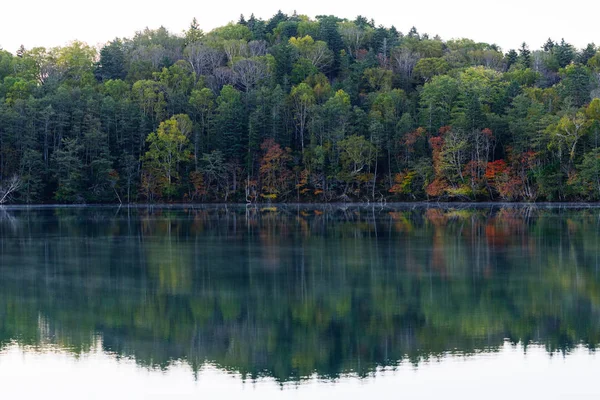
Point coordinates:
[[168, 149]]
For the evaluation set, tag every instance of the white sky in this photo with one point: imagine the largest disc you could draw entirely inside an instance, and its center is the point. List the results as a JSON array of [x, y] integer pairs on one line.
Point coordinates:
[[507, 23]]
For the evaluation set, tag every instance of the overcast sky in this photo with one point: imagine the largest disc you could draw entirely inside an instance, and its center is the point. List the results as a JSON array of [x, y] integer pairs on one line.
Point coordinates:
[[507, 23]]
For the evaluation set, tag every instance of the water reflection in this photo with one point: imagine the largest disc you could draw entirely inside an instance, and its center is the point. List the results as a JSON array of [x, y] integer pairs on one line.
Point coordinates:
[[297, 292]]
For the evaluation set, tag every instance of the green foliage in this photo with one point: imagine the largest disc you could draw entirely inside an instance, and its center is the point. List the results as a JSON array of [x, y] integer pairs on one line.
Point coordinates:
[[310, 85], [168, 149]]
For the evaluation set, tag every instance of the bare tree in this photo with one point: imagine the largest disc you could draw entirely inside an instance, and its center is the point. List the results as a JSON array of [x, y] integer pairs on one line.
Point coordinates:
[[319, 55], [155, 54], [248, 73], [405, 61], [235, 48], [203, 59], [7, 189], [221, 76], [352, 35], [257, 48]]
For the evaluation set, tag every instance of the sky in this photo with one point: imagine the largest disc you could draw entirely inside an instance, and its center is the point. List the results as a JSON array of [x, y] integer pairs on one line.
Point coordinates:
[[508, 23]]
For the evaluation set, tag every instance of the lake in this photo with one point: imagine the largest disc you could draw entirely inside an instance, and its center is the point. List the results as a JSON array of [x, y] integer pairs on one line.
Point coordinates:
[[324, 301]]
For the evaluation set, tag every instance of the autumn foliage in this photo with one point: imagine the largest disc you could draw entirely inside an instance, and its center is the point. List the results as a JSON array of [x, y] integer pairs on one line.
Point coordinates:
[[275, 175]]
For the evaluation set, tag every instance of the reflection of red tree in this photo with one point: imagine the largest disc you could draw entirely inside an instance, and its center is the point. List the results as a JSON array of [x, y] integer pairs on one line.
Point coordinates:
[[439, 220], [495, 236], [273, 230]]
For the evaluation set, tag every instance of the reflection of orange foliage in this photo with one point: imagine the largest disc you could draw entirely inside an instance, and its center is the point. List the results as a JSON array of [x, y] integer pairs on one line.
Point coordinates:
[[436, 217], [572, 226], [495, 236], [401, 223], [438, 261], [304, 228]]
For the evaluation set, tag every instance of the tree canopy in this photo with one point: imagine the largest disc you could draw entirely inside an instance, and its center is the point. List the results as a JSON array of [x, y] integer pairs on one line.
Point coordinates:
[[79, 124]]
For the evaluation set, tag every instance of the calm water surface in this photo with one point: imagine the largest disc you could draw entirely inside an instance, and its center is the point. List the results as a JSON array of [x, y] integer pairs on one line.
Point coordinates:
[[296, 302]]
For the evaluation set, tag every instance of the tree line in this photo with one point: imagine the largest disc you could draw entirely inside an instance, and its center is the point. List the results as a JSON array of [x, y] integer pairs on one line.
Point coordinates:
[[298, 109]]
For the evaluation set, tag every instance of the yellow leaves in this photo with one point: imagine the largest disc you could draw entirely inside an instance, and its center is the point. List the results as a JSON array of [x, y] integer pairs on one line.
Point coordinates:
[[302, 43], [567, 132], [379, 79], [593, 110], [402, 182]]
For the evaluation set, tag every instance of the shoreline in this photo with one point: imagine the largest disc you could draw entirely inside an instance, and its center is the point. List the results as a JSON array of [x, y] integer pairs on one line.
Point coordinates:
[[419, 204]]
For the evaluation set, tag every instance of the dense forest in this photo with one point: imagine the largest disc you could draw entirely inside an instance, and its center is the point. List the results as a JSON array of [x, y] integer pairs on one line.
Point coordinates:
[[298, 109]]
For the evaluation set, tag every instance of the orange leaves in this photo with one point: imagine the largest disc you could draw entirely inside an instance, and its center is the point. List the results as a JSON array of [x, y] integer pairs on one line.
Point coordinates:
[[275, 174], [529, 159], [197, 181], [402, 182], [494, 169], [436, 188], [505, 179], [439, 185], [302, 185], [411, 138], [273, 157], [445, 129], [436, 143], [488, 133]]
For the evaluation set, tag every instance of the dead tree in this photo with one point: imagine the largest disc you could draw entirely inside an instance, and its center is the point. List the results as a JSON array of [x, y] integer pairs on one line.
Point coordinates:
[[7, 189]]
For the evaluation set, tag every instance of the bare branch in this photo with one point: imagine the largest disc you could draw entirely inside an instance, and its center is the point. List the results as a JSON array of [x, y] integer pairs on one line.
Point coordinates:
[[9, 188]]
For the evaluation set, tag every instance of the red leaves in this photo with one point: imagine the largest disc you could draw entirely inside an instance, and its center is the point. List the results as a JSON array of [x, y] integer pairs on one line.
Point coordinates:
[[436, 188], [529, 159], [411, 138], [494, 169], [502, 178], [445, 129], [488, 132]]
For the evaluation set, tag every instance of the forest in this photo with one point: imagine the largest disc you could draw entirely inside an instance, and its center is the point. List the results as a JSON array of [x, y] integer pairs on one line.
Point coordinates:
[[299, 109]]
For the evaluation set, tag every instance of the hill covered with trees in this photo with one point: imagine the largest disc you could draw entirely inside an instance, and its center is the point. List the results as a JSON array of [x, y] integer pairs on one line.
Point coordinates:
[[299, 109]]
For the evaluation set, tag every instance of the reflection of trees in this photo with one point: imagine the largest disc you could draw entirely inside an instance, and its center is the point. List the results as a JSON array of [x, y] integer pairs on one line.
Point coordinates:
[[293, 291]]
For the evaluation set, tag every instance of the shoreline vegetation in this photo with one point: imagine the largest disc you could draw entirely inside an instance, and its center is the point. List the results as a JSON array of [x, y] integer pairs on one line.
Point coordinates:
[[294, 109]]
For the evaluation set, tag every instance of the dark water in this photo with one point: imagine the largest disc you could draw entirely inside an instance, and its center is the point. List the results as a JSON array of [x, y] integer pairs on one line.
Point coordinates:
[[319, 297]]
